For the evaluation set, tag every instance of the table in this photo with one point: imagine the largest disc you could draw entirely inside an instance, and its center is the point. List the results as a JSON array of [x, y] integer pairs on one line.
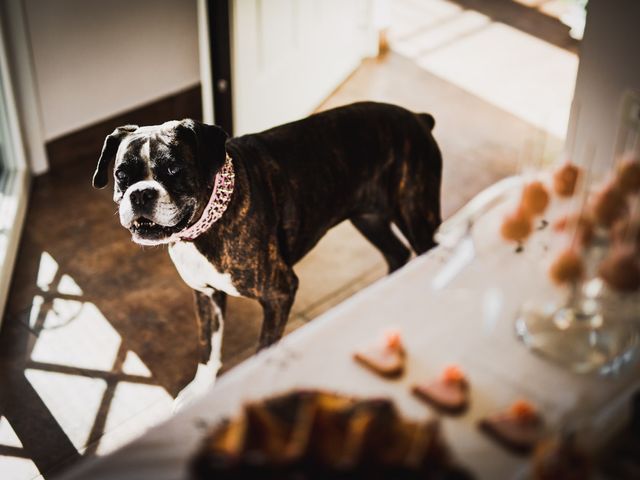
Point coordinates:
[[468, 322]]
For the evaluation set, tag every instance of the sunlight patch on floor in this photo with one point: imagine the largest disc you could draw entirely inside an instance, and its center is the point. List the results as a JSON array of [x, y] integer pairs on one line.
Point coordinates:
[[18, 468], [517, 72], [8, 437], [134, 366], [73, 401], [100, 394], [135, 409], [76, 334]]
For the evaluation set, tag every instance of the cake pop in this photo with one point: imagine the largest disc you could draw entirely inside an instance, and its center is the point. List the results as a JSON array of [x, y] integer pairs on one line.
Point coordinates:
[[565, 180], [567, 267], [534, 198], [626, 230], [628, 176], [609, 205], [516, 226], [621, 269]]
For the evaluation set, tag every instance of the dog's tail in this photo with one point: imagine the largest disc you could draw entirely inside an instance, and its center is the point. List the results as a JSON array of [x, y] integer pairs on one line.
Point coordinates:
[[428, 119]]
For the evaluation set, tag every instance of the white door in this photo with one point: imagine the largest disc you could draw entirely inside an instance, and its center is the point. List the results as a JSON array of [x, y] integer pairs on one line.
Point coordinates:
[[287, 56]]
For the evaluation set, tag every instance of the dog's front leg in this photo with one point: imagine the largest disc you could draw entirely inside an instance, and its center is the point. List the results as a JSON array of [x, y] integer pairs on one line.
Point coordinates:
[[209, 315], [276, 305]]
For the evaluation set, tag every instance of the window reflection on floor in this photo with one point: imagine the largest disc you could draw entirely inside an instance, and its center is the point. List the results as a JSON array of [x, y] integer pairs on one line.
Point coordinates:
[[99, 392]]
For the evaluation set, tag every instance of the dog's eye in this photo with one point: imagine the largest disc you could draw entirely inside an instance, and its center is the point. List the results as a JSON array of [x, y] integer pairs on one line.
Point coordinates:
[[121, 176], [173, 169]]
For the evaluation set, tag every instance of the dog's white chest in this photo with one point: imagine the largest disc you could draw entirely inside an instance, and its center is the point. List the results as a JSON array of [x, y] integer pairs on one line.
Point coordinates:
[[198, 272]]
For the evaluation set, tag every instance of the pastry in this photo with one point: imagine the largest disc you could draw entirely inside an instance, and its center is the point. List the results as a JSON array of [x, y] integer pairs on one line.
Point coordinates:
[[384, 358], [610, 204], [516, 226], [311, 434], [565, 180], [519, 429], [449, 393], [621, 269], [567, 267], [628, 175], [535, 198]]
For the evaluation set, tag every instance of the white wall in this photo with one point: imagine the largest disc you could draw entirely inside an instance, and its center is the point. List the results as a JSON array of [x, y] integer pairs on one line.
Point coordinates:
[[94, 59], [609, 66]]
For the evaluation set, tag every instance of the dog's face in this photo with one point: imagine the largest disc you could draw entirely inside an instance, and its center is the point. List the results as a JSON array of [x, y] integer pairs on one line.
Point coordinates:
[[163, 175]]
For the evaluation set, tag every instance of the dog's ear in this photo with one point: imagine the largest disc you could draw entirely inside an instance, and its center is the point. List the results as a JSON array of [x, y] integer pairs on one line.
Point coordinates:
[[109, 149], [209, 144]]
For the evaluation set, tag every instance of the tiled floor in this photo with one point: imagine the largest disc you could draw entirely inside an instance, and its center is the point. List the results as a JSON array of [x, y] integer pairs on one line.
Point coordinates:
[[99, 334]]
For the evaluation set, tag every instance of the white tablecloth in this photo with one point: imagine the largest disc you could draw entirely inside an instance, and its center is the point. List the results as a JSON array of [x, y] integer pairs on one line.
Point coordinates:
[[470, 323]]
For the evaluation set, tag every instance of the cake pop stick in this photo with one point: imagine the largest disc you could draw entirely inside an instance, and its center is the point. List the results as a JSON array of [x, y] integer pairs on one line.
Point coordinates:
[[579, 202], [566, 177], [572, 135], [517, 225], [568, 267], [535, 198], [631, 142]]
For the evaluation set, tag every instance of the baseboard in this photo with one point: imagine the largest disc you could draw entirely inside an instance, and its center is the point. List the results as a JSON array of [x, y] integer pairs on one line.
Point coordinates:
[[86, 143]]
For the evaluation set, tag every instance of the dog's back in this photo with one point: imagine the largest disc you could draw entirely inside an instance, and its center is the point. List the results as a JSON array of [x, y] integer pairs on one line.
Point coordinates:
[[362, 159]]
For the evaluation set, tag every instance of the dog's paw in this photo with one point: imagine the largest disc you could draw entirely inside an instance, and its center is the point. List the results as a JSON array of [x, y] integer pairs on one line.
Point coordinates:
[[203, 381]]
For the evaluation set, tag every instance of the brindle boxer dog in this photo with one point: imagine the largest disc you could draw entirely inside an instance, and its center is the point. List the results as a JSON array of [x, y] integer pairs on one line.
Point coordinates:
[[239, 213]]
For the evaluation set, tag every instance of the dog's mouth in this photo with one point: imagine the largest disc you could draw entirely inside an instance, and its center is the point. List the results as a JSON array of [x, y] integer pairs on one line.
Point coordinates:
[[144, 228]]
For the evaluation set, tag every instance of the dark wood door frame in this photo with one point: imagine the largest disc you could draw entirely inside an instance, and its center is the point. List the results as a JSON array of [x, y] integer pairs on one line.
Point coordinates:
[[220, 47]]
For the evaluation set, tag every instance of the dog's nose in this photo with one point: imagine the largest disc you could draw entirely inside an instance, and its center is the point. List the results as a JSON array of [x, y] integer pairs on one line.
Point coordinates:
[[144, 197]]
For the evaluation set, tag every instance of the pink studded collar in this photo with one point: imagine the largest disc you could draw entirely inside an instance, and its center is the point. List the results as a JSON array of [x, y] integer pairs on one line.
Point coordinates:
[[218, 203]]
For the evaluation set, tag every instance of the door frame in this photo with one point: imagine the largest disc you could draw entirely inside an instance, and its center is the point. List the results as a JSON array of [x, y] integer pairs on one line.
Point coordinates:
[[19, 55], [15, 192]]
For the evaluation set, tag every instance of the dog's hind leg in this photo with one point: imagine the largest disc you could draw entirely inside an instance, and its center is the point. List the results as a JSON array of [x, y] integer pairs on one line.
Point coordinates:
[[417, 230], [209, 314], [418, 221], [377, 230], [417, 202]]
